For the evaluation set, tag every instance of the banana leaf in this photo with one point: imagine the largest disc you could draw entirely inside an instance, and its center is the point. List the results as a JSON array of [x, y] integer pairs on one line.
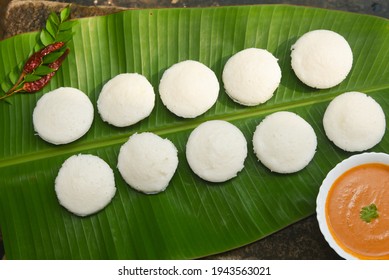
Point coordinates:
[[192, 218]]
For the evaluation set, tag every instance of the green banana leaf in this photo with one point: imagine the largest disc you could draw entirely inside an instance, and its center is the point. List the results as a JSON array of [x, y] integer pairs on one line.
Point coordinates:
[[192, 218]]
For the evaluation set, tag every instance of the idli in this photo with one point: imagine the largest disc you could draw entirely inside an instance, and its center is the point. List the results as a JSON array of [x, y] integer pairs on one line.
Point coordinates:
[[148, 162], [251, 76], [321, 58], [354, 122], [63, 115], [284, 142], [85, 184], [126, 99], [216, 151], [189, 88]]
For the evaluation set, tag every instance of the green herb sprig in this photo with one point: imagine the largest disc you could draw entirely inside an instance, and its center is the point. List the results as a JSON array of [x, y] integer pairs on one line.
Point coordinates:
[[58, 28], [369, 213], [45, 59]]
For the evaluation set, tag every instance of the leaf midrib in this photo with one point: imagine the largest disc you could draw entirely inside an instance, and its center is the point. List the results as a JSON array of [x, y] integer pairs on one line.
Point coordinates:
[[250, 112]]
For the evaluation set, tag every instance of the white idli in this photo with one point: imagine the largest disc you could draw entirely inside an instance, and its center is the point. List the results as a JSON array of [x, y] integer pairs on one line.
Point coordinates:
[[321, 58], [189, 88], [284, 142], [251, 76], [148, 162], [216, 151], [354, 122], [85, 184], [63, 115], [126, 99]]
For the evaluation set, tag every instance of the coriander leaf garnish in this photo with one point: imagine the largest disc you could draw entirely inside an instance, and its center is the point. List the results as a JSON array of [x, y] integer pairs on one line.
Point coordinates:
[[369, 213]]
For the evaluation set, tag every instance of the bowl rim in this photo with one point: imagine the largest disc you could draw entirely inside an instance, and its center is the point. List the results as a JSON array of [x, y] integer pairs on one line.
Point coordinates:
[[339, 169]]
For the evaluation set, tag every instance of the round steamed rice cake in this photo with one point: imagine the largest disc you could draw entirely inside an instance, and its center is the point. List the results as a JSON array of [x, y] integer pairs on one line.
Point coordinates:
[[354, 122], [147, 162], [216, 151], [321, 58], [85, 184], [189, 88], [126, 99], [284, 142], [251, 76], [63, 115]]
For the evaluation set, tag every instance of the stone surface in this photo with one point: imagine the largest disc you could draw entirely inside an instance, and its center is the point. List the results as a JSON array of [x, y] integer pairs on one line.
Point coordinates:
[[30, 15], [301, 240], [37, 12]]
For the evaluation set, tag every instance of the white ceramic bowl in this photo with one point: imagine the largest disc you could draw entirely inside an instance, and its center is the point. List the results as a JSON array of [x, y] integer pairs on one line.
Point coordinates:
[[338, 170]]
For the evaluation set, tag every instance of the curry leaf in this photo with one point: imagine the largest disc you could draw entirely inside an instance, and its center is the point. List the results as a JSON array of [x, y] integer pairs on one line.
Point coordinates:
[[65, 13], [5, 85], [32, 78], [43, 70], [13, 76], [46, 38], [51, 57], [49, 43], [53, 17], [64, 36], [67, 25], [51, 28]]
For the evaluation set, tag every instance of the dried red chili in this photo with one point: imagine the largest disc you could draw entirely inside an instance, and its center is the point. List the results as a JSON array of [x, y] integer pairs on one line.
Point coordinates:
[[38, 84], [42, 82], [32, 67], [36, 59], [56, 64]]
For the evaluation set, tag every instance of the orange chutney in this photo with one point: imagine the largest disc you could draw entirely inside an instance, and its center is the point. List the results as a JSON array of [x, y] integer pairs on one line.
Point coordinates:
[[359, 187]]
